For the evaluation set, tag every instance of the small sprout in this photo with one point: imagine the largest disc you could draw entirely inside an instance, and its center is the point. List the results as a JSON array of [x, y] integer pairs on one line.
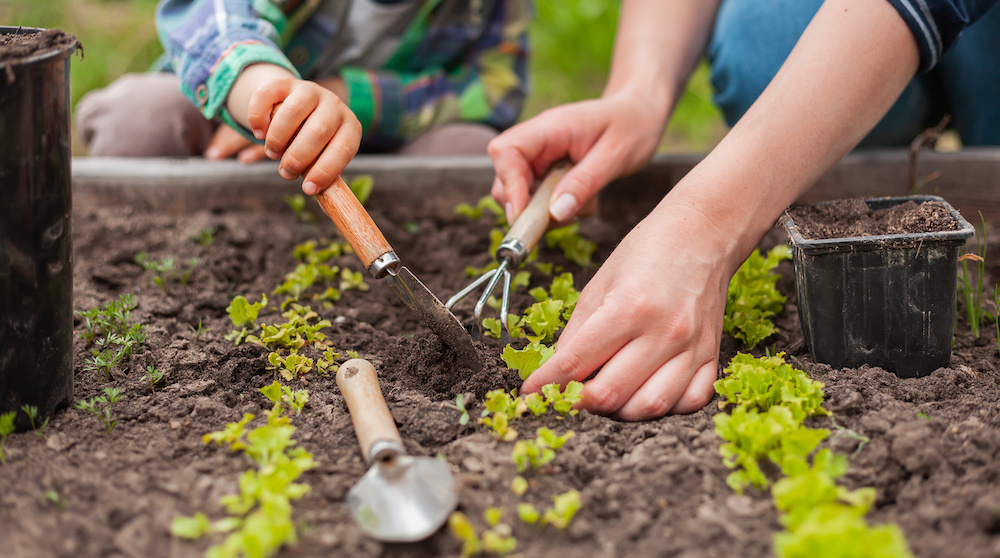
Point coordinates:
[[528, 359], [353, 354], [6, 429], [100, 406], [577, 249], [924, 415], [564, 508], [191, 527], [459, 405], [232, 435], [153, 376], [519, 485], [497, 543], [55, 499], [199, 329], [205, 237], [411, 227], [284, 395], [32, 412], [529, 452], [528, 513], [500, 424]]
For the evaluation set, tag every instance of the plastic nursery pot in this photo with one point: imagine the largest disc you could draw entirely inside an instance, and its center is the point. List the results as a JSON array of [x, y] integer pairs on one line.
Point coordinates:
[[886, 301], [36, 277]]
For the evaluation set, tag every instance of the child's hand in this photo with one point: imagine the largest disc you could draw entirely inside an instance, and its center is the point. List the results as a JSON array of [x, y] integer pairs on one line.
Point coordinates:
[[227, 142], [312, 132]]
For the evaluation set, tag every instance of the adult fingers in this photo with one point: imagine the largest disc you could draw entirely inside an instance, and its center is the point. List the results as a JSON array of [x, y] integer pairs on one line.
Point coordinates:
[[621, 377], [333, 160], [601, 164], [664, 389], [580, 356], [700, 391]]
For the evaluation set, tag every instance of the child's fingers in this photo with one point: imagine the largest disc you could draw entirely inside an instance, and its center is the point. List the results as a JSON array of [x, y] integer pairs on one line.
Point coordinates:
[[293, 112], [338, 152], [225, 143], [309, 141], [251, 154], [262, 102]]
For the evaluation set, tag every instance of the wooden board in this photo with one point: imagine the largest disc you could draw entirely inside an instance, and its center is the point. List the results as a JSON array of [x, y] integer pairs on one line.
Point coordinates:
[[968, 179]]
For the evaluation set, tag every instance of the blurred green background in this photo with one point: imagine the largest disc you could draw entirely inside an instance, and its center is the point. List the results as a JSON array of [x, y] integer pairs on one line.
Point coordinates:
[[571, 42]]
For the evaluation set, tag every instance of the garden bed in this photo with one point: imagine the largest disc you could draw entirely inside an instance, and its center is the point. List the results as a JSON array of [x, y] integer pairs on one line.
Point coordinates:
[[655, 488]]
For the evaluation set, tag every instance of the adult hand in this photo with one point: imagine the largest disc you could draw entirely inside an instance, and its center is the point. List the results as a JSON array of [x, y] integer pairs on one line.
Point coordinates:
[[227, 142], [650, 321], [606, 138]]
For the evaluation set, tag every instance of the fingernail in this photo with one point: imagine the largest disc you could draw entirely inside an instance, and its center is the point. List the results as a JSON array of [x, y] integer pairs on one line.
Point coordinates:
[[259, 134], [271, 154], [509, 210], [310, 188], [212, 153], [564, 207], [285, 174]]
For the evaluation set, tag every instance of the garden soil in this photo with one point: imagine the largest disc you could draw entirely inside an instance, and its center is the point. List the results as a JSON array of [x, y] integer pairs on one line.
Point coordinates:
[[655, 488]]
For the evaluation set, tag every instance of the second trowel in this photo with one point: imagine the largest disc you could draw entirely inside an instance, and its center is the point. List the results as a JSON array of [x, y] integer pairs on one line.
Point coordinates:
[[401, 498], [374, 251]]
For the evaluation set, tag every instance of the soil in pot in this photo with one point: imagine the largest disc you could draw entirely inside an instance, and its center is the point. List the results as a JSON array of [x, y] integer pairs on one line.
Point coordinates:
[[648, 489]]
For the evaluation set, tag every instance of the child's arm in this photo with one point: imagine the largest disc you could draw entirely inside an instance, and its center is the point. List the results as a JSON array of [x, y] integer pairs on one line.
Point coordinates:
[[313, 132]]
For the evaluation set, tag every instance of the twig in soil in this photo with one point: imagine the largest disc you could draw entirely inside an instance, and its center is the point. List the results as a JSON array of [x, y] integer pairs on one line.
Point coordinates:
[[928, 138]]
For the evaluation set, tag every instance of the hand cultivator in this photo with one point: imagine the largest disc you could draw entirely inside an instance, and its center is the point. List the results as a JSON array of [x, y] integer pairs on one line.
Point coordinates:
[[524, 234]]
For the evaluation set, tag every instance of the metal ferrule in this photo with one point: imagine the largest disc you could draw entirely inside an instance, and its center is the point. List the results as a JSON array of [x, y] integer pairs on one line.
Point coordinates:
[[384, 450], [384, 264], [512, 250]]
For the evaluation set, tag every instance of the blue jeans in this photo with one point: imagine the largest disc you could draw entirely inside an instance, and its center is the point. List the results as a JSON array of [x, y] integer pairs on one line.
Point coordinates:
[[752, 38]]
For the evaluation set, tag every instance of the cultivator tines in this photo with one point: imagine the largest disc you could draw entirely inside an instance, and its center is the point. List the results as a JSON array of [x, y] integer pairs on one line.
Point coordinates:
[[513, 250]]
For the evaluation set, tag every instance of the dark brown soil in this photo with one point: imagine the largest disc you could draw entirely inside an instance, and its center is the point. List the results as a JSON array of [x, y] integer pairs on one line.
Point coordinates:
[[16, 46], [648, 489], [854, 218]]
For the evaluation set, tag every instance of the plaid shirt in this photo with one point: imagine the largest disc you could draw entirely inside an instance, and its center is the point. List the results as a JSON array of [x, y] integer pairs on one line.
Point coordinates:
[[458, 60]]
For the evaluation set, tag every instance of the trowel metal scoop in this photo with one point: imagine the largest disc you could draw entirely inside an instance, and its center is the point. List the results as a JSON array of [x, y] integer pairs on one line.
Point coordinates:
[[374, 251], [401, 498]]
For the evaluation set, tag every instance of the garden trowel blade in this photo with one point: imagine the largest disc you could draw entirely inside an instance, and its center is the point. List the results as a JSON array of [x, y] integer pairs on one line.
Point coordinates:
[[434, 315], [405, 499]]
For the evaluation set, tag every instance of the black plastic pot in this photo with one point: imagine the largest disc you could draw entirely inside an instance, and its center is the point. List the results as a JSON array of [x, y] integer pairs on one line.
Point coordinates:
[[886, 301], [36, 276]]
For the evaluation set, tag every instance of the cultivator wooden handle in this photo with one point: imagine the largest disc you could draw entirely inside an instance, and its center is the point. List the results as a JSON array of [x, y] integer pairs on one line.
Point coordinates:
[[373, 423], [531, 224]]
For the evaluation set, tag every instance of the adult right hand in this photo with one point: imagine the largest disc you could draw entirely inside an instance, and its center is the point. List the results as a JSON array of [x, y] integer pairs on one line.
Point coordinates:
[[606, 138]]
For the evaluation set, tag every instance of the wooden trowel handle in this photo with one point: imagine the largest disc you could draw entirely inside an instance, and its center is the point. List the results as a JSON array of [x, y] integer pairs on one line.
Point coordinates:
[[531, 224], [372, 421], [352, 220]]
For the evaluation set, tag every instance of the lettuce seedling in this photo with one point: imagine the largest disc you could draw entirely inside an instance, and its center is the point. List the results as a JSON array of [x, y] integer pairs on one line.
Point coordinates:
[[519, 485], [768, 381], [834, 530], [564, 507], [528, 359], [462, 529], [362, 186], [100, 406], [6, 429], [528, 513], [536, 404], [561, 289], [562, 402], [529, 452], [484, 204], [500, 424], [299, 206], [233, 435], [753, 297], [244, 317], [290, 367], [577, 249], [284, 395]]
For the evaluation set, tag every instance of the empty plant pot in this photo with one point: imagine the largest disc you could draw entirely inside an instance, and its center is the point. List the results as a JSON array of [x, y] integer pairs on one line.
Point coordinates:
[[36, 276], [886, 300]]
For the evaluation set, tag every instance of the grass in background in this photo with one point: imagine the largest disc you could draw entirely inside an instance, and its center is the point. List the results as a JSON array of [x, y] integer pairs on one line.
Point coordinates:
[[571, 43]]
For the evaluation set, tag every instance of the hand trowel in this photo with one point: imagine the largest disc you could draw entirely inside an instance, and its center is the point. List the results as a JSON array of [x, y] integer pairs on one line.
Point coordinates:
[[401, 498]]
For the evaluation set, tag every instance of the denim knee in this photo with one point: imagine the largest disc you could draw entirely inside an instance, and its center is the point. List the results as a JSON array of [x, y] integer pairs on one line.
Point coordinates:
[[750, 41]]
